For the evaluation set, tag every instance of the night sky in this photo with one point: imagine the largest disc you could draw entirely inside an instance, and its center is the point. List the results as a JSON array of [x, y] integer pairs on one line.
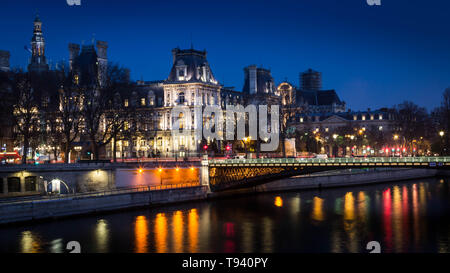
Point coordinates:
[[374, 56]]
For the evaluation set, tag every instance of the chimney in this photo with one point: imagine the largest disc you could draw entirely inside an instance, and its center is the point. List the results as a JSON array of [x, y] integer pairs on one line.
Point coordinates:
[[74, 50], [4, 61], [252, 79]]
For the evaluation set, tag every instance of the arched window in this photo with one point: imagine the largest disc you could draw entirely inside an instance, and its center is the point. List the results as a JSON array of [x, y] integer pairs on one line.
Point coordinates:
[[181, 98]]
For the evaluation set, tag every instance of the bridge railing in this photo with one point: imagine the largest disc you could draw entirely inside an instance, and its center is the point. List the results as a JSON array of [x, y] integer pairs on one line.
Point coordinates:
[[440, 159]]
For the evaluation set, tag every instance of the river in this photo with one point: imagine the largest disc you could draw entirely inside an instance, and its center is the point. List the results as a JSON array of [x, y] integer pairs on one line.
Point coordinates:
[[404, 216]]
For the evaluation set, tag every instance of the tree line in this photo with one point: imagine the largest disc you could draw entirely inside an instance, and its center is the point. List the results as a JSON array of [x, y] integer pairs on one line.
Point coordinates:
[[54, 108]]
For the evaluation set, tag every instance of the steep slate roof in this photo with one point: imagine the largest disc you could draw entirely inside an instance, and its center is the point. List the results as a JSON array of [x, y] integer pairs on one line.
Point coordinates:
[[314, 97], [194, 60]]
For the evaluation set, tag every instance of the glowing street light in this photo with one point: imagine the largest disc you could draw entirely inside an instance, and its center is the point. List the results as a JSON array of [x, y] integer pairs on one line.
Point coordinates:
[[441, 133], [395, 137]]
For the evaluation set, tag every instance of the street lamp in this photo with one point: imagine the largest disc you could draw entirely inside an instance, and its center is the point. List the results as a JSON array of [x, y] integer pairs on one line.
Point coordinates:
[[244, 141], [160, 175], [441, 133]]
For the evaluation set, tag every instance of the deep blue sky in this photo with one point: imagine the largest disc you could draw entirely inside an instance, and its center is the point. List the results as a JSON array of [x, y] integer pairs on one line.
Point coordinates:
[[372, 56]]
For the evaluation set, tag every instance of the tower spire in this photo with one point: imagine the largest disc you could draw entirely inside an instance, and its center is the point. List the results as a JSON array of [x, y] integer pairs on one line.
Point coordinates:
[[38, 61]]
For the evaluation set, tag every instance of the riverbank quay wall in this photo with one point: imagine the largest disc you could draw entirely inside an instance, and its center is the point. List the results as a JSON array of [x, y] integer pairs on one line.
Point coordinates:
[[25, 180], [96, 203]]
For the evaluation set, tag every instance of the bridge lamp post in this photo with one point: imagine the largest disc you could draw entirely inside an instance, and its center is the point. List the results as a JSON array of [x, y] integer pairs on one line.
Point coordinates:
[[395, 139], [335, 144], [160, 175]]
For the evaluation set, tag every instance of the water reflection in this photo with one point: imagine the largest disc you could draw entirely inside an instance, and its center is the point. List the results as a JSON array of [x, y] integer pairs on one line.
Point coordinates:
[[363, 202], [102, 236], [56, 246], [317, 212], [177, 231], [141, 234], [193, 230], [399, 215], [278, 201], [161, 233], [267, 240], [397, 219], [30, 242]]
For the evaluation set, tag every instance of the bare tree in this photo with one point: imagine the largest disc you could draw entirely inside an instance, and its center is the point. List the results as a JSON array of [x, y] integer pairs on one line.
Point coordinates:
[[25, 110], [99, 106], [411, 122]]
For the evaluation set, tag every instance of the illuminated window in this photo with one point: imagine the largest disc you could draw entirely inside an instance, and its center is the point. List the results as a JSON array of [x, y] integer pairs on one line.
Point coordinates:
[[355, 117], [143, 101], [380, 128], [76, 79], [301, 119], [380, 117], [181, 98], [363, 117], [126, 103]]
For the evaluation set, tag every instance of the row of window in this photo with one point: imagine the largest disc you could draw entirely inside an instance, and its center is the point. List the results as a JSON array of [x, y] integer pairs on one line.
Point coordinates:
[[143, 102], [355, 117]]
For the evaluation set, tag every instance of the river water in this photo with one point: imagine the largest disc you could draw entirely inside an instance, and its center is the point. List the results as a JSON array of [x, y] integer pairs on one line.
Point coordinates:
[[405, 216]]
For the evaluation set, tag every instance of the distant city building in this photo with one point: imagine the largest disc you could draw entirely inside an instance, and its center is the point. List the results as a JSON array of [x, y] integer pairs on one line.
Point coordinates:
[[311, 80], [379, 120], [4, 61], [310, 100]]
